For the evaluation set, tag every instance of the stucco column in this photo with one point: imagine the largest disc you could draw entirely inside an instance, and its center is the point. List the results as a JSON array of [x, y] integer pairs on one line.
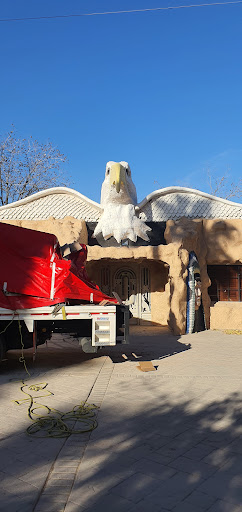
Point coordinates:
[[189, 234], [178, 262]]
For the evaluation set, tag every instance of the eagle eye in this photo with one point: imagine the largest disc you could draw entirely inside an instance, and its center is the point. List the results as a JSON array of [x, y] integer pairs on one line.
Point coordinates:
[[127, 172], [108, 171]]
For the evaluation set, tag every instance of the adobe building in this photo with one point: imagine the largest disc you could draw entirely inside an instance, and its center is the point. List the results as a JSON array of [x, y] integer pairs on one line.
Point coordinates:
[[148, 267]]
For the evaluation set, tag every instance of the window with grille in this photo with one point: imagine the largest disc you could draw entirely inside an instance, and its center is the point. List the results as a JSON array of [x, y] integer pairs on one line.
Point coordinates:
[[226, 283]]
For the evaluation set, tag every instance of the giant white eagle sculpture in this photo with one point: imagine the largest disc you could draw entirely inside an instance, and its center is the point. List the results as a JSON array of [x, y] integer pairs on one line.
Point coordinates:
[[118, 200]]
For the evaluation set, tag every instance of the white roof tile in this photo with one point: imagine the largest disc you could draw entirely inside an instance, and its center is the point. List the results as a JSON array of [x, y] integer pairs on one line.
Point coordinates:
[[176, 202], [56, 202]]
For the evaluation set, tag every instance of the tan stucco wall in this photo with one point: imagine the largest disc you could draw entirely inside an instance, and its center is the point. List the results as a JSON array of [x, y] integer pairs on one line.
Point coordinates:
[[160, 293], [215, 242], [223, 240], [226, 315], [189, 235], [67, 230]]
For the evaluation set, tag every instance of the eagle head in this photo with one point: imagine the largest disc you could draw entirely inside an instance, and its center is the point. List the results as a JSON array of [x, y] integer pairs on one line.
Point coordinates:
[[118, 186]]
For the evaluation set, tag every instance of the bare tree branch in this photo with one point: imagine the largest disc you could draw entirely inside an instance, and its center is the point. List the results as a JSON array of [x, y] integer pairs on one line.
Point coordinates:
[[27, 166], [220, 186]]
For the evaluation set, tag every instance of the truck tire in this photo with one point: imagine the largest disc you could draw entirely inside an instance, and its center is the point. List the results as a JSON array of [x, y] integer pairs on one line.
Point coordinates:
[[86, 345]]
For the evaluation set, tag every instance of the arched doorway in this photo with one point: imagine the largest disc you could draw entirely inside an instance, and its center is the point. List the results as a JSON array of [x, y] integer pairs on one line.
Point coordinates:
[[132, 283], [125, 284]]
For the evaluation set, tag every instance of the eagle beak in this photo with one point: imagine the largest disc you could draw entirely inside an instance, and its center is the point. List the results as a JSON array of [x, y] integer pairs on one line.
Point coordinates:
[[117, 176]]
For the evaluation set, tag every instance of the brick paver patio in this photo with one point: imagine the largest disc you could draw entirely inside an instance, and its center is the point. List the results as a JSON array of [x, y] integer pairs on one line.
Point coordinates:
[[169, 440]]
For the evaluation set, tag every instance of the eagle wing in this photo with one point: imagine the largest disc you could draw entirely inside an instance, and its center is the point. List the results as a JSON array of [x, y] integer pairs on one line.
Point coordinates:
[[176, 202]]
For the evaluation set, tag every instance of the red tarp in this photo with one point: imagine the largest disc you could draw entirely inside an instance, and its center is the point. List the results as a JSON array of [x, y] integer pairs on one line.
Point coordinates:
[[32, 267]]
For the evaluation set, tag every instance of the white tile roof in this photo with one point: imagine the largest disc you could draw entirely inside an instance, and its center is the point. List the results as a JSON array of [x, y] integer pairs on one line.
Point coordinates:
[[176, 202], [57, 202], [161, 205]]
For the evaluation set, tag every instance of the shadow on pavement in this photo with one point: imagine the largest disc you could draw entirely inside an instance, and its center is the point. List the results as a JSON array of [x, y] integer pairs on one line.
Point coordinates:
[[155, 455], [162, 444], [146, 343]]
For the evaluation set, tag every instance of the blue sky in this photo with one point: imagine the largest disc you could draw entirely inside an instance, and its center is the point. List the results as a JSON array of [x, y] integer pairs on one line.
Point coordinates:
[[161, 90]]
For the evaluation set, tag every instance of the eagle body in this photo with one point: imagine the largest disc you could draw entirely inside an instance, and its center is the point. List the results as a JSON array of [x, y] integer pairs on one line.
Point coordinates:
[[118, 200]]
